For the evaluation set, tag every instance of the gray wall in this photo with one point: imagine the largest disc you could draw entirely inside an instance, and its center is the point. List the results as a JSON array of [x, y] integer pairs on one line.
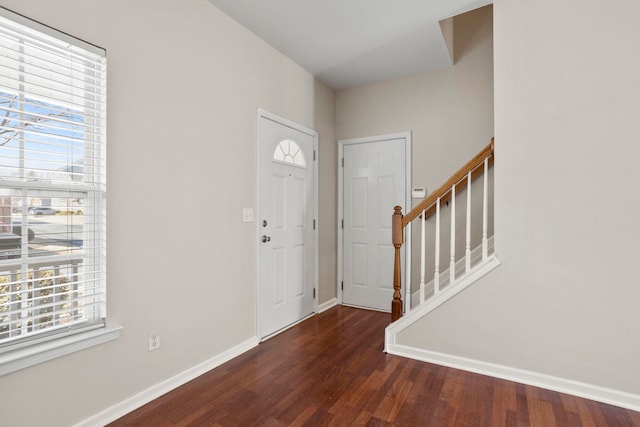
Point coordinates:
[[565, 300], [450, 114], [183, 87], [450, 111]]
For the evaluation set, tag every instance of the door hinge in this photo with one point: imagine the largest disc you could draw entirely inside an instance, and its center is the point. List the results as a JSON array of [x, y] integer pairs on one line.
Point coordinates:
[[343, 162], [342, 221], [314, 293], [314, 155], [342, 286], [314, 224]]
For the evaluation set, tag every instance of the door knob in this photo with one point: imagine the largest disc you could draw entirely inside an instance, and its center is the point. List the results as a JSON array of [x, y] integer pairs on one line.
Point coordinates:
[[266, 239]]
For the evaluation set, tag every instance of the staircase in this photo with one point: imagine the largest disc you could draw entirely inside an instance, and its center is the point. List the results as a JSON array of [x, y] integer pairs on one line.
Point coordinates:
[[452, 226]]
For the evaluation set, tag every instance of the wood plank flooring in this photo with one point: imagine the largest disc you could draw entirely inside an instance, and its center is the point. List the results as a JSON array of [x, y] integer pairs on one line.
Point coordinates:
[[330, 370]]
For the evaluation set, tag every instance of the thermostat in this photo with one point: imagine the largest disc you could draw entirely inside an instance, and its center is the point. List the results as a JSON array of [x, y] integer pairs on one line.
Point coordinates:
[[418, 192]]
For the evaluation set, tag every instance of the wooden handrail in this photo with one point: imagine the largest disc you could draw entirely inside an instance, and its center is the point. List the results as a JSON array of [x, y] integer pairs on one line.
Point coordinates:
[[444, 191], [427, 207]]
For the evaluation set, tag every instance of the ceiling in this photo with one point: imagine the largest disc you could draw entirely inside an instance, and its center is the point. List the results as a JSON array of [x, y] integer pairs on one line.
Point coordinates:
[[347, 43]]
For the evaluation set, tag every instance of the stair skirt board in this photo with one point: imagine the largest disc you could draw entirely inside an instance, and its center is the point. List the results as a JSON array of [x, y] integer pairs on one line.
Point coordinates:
[[476, 258], [431, 304], [561, 385]]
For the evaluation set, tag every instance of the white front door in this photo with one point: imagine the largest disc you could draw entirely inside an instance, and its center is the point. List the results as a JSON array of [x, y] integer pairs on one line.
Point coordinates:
[[374, 181], [286, 224]]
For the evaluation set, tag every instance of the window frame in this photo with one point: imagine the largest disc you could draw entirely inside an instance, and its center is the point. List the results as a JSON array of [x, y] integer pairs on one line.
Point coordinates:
[[54, 342]]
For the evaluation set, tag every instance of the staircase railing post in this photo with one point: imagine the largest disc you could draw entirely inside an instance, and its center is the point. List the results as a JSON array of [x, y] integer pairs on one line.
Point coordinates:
[[397, 237]]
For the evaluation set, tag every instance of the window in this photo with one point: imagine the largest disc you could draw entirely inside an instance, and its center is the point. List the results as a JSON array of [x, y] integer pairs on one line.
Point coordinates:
[[289, 151], [52, 184]]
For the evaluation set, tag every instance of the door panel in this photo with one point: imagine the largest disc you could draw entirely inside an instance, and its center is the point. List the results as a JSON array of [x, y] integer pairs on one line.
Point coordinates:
[[286, 263], [279, 276], [374, 181]]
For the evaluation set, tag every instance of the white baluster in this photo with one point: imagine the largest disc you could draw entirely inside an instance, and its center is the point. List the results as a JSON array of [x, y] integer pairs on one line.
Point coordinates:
[[452, 263], [422, 255], [467, 249], [485, 244], [436, 274]]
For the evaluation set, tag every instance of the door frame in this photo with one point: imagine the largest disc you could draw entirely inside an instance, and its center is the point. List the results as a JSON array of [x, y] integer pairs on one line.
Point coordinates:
[[263, 114], [405, 208]]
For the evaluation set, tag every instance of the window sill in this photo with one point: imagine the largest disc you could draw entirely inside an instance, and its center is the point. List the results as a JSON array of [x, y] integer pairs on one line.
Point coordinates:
[[21, 358]]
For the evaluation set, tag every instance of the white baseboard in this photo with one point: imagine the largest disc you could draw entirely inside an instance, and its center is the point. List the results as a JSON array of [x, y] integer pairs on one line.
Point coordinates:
[[562, 385], [122, 408], [327, 305]]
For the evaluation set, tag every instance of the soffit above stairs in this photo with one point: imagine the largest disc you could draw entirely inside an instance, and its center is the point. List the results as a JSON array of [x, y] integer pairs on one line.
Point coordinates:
[[347, 43]]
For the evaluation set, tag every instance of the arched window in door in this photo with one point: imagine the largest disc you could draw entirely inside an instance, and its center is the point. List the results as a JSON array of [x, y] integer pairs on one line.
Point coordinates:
[[288, 151]]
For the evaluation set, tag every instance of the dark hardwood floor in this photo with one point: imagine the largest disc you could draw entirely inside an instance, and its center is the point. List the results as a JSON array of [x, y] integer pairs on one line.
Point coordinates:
[[330, 370]]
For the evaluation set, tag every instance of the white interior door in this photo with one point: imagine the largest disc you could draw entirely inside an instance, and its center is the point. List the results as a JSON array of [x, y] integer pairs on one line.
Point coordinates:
[[286, 255], [374, 181]]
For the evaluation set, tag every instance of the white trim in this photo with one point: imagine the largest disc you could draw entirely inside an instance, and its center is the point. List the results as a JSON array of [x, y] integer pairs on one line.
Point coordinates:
[[367, 308], [407, 198], [285, 122], [50, 31], [27, 356], [549, 382], [316, 220], [339, 224], [327, 305], [134, 402], [286, 328], [392, 331], [258, 219]]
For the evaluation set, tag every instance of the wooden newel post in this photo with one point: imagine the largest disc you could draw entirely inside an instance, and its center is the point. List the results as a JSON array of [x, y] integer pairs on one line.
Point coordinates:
[[397, 237]]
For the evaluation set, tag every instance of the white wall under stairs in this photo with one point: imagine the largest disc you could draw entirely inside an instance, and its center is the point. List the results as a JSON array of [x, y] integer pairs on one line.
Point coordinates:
[[432, 302]]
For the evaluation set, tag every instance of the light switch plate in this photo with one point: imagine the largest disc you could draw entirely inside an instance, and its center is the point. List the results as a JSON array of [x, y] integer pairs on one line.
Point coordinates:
[[247, 214]]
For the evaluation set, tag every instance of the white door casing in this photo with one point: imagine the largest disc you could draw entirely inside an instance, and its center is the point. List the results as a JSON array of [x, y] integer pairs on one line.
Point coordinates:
[[287, 242], [374, 177]]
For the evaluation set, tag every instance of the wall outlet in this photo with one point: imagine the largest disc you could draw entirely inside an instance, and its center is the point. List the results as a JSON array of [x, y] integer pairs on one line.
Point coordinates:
[[154, 340]]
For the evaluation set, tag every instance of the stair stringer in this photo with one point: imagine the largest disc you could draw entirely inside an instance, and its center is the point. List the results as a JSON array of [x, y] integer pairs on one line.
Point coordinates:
[[478, 271]]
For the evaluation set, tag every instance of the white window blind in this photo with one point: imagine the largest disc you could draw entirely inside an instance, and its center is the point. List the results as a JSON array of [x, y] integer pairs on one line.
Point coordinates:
[[52, 183]]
